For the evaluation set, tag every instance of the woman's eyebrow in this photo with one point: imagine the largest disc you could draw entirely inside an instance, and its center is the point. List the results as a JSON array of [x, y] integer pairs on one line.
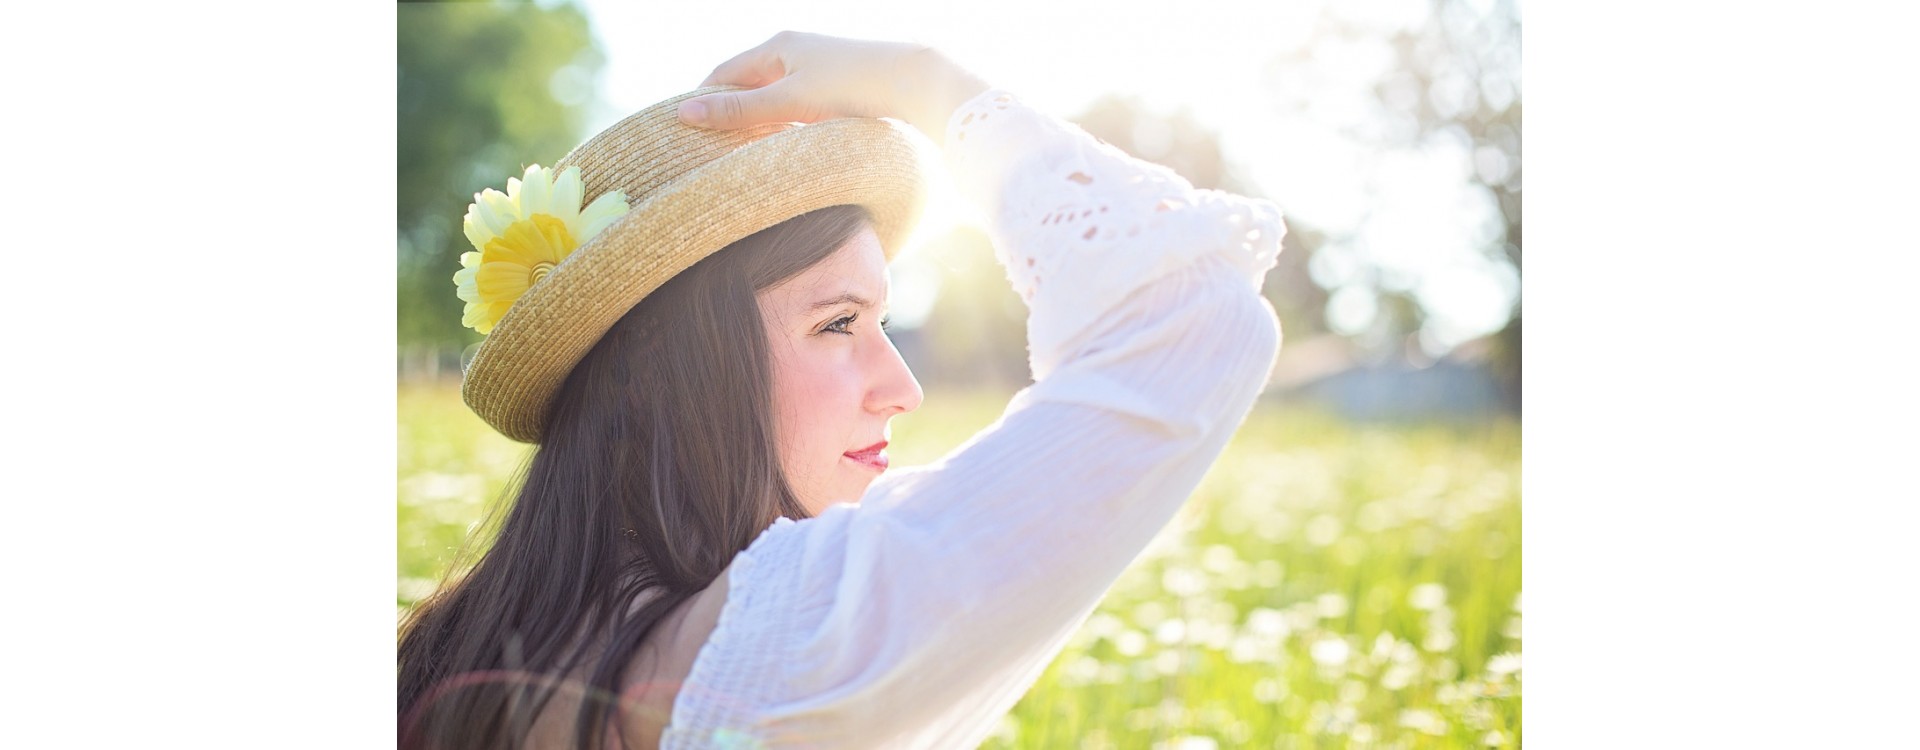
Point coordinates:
[[843, 298]]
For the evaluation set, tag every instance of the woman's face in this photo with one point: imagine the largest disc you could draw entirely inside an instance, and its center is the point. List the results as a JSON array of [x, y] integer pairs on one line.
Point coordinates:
[[837, 379]]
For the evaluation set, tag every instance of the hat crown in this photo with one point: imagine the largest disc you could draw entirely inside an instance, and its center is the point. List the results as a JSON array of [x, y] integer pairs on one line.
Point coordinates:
[[652, 148], [692, 191]]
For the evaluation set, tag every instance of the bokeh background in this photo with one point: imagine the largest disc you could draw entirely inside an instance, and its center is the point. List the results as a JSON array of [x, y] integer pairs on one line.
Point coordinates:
[[1349, 573]]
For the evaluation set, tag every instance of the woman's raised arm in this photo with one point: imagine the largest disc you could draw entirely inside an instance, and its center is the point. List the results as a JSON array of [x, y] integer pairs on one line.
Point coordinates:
[[918, 616]]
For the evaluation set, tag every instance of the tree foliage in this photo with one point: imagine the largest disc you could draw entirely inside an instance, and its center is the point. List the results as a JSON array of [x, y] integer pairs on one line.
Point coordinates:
[[1469, 52], [1194, 152], [485, 88], [976, 333], [1453, 77]]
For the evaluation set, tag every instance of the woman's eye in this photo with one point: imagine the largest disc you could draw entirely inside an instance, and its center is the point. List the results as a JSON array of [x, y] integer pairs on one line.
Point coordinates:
[[839, 325]]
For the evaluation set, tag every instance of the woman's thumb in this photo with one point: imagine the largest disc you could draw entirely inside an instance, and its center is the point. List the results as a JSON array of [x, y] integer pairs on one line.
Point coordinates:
[[736, 110]]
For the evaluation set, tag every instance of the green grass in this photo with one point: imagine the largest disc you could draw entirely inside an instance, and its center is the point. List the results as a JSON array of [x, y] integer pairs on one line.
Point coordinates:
[[1330, 585]]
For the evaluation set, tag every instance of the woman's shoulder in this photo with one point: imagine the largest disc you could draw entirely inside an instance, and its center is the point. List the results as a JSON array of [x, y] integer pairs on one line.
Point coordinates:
[[657, 670], [654, 673]]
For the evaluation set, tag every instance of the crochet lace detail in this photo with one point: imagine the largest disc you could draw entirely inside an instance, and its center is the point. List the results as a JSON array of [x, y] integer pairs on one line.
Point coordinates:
[[1079, 224]]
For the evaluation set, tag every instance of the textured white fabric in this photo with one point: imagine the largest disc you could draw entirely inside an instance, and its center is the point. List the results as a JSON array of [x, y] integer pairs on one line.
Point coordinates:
[[919, 616]]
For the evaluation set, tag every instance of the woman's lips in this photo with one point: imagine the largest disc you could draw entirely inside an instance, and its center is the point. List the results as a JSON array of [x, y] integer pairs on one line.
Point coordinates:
[[872, 457]]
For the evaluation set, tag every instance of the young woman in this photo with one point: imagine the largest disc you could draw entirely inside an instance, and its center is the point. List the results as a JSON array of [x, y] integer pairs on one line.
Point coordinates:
[[709, 548]]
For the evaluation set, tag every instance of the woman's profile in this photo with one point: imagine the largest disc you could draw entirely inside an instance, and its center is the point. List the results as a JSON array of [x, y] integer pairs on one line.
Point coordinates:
[[686, 315]]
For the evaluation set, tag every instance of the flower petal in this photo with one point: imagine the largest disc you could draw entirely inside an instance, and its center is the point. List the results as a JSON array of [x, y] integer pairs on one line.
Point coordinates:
[[540, 239], [464, 284], [513, 246], [605, 209], [565, 201], [475, 227], [497, 210], [492, 313], [536, 191], [502, 282], [514, 190], [470, 260], [483, 316], [470, 316], [506, 250], [555, 242]]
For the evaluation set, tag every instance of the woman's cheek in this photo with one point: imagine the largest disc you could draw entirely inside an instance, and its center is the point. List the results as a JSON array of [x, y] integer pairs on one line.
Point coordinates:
[[813, 394]]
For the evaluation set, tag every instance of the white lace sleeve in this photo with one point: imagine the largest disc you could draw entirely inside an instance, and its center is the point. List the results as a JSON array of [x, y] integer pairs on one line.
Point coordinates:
[[1067, 208], [920, 615]]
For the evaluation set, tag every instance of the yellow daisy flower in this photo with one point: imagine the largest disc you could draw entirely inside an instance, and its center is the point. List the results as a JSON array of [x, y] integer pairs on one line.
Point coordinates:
[[522, 235]]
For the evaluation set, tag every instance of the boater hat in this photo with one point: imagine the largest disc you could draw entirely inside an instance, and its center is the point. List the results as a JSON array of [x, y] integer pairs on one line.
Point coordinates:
[[692, 191]]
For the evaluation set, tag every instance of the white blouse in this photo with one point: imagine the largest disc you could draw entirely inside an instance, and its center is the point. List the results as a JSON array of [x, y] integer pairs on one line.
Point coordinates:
[[918, 616]]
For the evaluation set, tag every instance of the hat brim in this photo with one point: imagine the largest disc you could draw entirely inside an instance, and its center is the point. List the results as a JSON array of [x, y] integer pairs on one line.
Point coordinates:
[[875, 163]]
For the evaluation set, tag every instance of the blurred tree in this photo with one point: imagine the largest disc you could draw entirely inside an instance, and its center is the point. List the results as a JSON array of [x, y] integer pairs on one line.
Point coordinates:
[[975, 336], [1453, 76], [976, 333], [1466, 59], [1194, 152], [485, 88]]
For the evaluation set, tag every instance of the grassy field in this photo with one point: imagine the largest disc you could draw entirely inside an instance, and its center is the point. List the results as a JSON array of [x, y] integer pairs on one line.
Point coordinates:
[[1330, 585]]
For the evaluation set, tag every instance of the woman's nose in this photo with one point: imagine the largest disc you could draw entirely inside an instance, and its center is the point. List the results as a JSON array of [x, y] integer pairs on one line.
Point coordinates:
[[895, 390]]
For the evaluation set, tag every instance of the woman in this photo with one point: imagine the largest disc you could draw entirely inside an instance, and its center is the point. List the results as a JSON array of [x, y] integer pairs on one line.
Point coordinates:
[[709, 549]]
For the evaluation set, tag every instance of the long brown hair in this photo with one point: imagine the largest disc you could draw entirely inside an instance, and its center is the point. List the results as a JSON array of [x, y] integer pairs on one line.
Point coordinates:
[[658, 464]]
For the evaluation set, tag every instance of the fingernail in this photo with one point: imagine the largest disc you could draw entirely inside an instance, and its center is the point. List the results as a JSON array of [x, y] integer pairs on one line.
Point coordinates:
[[693, 113]]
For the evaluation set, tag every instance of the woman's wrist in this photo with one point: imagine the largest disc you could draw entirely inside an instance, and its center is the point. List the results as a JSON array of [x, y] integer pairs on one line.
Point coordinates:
[[939, 87]]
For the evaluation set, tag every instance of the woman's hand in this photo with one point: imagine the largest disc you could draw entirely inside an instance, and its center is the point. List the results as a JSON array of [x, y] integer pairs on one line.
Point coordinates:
[[802, 77]]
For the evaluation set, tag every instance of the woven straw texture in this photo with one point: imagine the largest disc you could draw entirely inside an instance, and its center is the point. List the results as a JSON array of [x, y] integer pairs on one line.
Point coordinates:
[[693, 191]]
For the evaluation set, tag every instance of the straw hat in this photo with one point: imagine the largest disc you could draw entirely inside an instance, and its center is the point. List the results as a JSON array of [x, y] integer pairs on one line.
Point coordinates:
[[693, 191]]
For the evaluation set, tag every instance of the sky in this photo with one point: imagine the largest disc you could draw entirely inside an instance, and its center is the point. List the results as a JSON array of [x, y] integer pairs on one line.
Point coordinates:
[[1411, 213]]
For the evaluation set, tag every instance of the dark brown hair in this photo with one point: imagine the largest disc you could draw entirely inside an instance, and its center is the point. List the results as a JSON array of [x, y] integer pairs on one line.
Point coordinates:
[[658, 465]]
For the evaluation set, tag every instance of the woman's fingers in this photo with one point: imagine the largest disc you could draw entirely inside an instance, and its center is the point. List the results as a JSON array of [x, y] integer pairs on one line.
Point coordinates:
[[758, 68], [755, 67], [741, 109], [802, 77]]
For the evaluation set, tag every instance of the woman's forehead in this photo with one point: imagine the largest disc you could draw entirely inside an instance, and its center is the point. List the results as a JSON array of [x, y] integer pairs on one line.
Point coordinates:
[[858, 268]]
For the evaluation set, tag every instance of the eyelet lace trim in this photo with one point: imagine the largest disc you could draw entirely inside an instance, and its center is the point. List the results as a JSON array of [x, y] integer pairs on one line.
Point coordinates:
[[1079, 224]]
